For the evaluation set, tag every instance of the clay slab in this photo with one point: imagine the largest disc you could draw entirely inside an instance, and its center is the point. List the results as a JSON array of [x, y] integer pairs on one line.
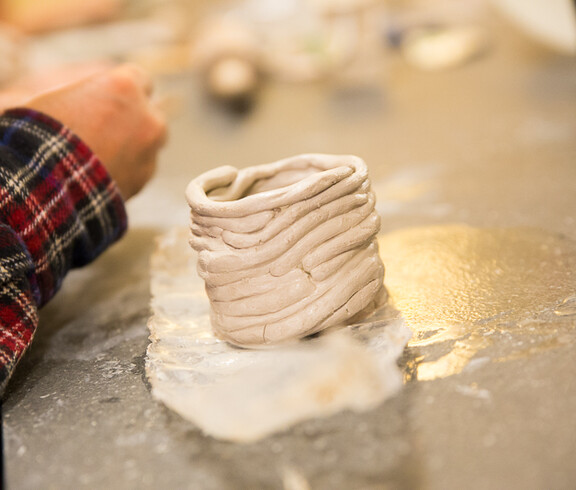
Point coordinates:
[[243, 395]]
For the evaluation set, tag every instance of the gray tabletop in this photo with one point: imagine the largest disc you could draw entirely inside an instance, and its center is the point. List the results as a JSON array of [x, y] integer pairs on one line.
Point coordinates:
[[479, 160]]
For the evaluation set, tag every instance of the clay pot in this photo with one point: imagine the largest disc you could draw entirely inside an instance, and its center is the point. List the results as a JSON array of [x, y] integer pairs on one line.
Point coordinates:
[[286, 249]]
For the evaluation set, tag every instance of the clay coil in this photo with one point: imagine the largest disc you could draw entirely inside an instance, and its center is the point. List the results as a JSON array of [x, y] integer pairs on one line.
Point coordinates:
[[288, 248]]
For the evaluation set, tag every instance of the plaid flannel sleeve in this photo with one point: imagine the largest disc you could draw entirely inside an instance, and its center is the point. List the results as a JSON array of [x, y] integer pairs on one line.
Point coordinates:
[[59, 209]]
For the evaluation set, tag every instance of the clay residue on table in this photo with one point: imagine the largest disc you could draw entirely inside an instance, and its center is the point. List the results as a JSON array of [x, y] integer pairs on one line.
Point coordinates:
[[245, 394]]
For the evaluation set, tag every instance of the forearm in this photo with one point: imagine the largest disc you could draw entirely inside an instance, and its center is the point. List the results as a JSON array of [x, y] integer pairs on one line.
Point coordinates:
[[59, 209], [56, 196]]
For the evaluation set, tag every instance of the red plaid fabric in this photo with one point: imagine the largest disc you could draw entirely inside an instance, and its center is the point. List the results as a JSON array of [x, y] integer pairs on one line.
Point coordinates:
[[59, 209]]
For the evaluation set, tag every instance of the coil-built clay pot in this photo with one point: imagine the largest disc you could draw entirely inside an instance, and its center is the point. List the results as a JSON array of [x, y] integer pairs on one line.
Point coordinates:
[[286, 249]]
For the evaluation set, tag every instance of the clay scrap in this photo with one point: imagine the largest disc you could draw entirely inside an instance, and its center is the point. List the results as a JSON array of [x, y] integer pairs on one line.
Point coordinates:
[[286, 249]]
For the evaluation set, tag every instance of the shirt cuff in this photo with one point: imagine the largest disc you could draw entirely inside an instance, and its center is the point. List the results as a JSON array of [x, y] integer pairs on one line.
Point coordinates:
[[77, 207]]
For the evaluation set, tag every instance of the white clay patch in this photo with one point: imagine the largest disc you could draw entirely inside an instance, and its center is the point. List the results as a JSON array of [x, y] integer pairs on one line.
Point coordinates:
[[244, 395], [286, 249]]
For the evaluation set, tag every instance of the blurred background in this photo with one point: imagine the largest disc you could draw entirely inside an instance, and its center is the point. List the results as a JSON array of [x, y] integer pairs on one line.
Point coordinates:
[[464, 111], [402, 83]]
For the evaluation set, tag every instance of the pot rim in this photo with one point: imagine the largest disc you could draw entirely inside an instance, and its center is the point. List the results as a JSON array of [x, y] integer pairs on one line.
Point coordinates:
[[331, 169]]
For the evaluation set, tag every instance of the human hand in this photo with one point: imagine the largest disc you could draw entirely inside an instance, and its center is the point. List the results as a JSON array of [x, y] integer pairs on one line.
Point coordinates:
[[19, 90], [112, 113]]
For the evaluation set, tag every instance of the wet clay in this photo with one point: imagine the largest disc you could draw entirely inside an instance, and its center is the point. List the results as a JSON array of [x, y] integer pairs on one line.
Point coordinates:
[[286, 249], [245, 395]]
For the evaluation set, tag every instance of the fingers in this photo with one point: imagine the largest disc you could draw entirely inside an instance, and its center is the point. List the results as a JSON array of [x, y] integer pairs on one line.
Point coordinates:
[[133, 73], [126, 129], [131, 81], [154, 129], [162, 130]]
